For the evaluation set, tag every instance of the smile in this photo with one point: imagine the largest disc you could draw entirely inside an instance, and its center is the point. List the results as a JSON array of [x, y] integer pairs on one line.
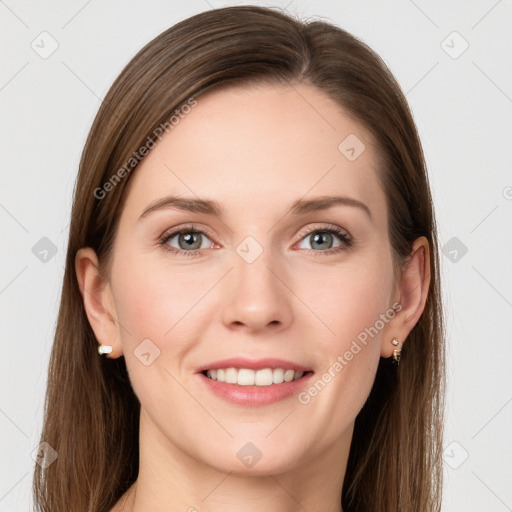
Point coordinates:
[[249, 377]]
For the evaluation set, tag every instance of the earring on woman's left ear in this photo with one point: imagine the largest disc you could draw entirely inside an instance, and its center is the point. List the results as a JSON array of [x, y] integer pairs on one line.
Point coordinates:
[[396, 352]]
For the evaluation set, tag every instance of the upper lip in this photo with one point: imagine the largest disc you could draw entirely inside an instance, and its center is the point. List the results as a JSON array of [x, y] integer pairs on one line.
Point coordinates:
[[254, 364]]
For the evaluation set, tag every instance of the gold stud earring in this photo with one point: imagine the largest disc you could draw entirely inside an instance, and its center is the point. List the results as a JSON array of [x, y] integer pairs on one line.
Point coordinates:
[[396, 352]]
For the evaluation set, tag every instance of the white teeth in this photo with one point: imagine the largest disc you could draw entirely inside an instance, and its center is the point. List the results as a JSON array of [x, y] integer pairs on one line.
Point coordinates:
[[245, 377], [277, 376], [248, 377], [288, 375], [263, 377], [230, 376]]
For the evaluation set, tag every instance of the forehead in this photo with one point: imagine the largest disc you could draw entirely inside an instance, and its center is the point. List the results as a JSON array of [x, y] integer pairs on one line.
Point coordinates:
[[261, 145]]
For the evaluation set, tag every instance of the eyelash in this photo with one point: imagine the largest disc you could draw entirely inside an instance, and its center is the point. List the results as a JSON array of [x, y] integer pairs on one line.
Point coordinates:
[[334, 230]]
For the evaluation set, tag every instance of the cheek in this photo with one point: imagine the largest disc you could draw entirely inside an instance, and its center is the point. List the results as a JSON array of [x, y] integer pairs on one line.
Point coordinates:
[[155, 303], [151, 300], [347, 299], [351, 302]]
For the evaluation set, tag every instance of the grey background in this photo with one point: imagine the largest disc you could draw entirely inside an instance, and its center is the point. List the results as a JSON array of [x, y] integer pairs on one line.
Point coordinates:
[[462, 103]]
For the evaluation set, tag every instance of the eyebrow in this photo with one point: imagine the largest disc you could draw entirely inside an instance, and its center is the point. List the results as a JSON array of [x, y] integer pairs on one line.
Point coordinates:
[[210, 207]]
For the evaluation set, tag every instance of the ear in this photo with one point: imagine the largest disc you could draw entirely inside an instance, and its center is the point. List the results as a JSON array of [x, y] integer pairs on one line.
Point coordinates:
[[98, 300], [413, 289]]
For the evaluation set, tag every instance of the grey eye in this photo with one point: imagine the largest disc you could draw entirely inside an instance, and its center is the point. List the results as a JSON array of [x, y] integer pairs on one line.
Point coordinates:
[[321, 239], [189, 240]]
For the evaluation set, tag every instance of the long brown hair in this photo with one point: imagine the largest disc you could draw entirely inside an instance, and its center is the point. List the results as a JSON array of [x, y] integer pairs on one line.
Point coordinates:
[[91, 412]]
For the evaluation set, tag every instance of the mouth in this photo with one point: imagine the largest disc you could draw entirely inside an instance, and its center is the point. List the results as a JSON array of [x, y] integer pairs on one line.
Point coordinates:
[[249, 377], [248, 382]]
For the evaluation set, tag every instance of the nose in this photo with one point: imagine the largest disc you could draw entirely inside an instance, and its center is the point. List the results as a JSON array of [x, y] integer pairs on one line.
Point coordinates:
[[257, 295]]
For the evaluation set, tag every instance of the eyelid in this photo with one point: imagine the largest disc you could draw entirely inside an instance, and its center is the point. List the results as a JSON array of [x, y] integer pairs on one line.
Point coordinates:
[[319, 226], [186, 227]]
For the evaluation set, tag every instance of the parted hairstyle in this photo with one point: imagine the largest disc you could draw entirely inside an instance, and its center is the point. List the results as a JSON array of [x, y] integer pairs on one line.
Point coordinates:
[[91, 415]]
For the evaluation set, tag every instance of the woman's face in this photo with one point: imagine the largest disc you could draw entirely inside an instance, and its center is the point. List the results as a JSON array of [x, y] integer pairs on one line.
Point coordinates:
[[263, 279]]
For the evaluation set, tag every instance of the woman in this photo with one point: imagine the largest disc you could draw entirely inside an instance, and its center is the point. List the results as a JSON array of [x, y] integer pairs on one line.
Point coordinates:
[[253, 253]]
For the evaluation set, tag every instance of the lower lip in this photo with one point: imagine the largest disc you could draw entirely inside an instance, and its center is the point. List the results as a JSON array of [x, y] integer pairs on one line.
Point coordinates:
[[256, 396]]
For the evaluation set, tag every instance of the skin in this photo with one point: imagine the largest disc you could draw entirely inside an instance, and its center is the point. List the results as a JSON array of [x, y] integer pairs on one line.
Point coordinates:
[[255, 151]]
